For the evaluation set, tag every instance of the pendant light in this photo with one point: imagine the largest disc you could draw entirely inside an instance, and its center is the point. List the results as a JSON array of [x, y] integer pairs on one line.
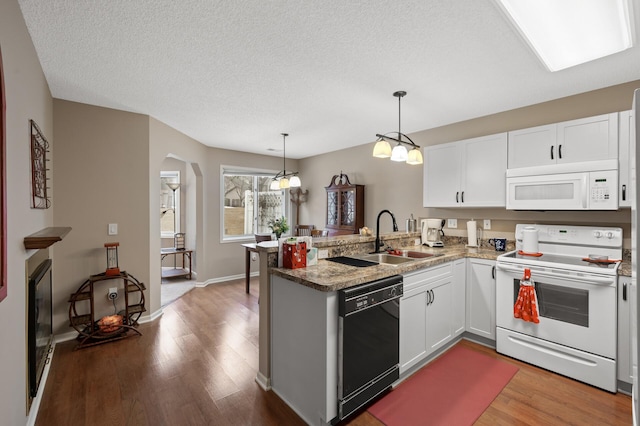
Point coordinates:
[[284, 180], [382, 149]]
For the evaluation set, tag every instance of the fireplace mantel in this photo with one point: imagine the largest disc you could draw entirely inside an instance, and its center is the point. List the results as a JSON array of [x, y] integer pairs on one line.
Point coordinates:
[[46, 237]]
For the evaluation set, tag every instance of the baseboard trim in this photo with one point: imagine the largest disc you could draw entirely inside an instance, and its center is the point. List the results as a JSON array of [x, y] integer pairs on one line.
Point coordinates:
[[263, 382], [225, 279]]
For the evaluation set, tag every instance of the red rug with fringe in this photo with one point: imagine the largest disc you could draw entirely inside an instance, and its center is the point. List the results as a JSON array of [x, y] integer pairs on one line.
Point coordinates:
[[454, 389]]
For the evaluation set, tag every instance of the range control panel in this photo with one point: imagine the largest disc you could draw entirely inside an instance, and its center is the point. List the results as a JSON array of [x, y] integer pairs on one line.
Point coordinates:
[[576, 235]]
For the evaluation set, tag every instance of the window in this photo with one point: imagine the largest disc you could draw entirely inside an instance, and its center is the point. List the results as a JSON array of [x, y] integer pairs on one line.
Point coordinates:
[[169, 204], [247, 203]]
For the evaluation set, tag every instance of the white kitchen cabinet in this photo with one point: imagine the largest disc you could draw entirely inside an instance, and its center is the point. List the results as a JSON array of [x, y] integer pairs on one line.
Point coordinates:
[[426, 314], [534, 146], [585, 139], [481, 298], [626, 138], [467, 173], [459, 296], [413, 326], [625, 359]]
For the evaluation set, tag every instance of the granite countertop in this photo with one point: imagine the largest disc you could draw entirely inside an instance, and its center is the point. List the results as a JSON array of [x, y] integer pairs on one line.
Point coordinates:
[[332, 276]]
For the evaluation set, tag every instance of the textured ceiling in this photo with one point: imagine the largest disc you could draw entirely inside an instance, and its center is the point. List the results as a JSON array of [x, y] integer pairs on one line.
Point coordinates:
[[236, 74]]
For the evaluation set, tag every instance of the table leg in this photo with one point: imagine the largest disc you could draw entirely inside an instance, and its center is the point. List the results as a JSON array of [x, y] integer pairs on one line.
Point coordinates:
[[247, 267]]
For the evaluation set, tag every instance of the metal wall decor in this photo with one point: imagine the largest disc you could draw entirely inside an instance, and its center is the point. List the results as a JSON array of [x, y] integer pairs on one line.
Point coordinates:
[[39, 149]]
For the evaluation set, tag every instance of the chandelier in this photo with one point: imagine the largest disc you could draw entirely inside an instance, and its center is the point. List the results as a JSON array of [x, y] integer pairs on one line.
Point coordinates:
[[284, 180], [382, 148]]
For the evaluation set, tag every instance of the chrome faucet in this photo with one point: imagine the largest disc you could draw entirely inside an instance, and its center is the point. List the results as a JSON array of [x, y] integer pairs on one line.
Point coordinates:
[[395, 228]]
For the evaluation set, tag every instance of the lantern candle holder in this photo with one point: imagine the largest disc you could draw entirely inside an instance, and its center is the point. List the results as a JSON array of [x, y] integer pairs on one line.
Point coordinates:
[[178, 242], [112, 259]]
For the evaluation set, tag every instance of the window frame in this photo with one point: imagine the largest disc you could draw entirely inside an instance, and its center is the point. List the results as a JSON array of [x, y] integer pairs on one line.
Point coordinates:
[[255, 172]]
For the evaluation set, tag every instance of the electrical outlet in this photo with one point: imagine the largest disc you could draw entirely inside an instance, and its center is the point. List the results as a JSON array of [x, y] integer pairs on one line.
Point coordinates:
[[453, 223], [323, 254], [416, 242], [112, 294], [487, 224]]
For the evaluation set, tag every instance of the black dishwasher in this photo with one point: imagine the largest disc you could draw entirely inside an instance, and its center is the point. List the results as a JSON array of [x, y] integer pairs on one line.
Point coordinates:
[[368, 341]]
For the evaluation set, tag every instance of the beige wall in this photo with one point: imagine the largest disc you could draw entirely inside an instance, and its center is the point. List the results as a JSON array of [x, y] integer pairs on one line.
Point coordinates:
[[102, 177], [27, 97], [398, 186]]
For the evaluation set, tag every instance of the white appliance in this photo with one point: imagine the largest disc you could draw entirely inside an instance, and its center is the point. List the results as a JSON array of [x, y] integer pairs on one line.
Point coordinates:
[[591, 185], [432, 231], [576, 335]]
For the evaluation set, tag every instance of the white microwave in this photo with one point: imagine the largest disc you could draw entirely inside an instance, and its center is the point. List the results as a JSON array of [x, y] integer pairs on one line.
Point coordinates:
[[577, 186]]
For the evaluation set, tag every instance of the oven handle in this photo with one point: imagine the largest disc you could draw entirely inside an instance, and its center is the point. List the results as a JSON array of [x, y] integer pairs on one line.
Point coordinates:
[[586, 280]]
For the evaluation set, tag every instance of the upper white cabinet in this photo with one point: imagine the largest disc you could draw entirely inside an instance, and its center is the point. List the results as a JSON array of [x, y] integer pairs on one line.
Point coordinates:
[[467, 173], [627, 135], [585, 139]]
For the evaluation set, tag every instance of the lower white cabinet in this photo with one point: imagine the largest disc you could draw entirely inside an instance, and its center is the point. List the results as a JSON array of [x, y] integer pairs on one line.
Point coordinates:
[[427, 314], [459, 296], [481, 298], [625, 359]]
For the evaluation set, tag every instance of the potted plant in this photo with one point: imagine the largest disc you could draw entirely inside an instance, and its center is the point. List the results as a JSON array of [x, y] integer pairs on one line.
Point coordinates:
[[279, 226]]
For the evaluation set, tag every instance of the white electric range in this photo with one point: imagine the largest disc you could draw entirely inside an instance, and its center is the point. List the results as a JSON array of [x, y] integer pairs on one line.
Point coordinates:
[[576, 335]]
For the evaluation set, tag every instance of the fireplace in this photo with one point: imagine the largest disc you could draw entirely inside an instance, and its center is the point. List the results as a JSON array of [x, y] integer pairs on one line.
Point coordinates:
[[39, 324]]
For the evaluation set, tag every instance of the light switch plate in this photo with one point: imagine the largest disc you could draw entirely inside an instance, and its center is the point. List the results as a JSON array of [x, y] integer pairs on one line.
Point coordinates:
[[487, 224], [323, 254], [113, 229], [453, 223]]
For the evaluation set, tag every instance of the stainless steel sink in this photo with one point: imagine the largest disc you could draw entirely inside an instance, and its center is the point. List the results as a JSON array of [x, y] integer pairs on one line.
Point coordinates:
[[419, 254], [386, 258]]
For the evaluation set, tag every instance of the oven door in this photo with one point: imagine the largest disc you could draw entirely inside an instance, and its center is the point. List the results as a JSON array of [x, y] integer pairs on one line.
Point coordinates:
[[577, 310]]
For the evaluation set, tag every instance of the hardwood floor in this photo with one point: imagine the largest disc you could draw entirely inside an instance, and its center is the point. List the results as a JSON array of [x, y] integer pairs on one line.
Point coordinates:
[[196, 365]]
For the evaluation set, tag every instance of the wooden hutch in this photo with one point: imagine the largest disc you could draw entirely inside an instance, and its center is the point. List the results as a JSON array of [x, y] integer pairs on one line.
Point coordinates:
[[345, 206]]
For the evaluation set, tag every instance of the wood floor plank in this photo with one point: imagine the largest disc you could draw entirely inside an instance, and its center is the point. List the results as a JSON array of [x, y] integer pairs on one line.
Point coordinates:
[[196, 365]]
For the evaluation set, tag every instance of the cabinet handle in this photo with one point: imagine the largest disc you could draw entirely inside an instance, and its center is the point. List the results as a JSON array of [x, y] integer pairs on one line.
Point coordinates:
[[457, 196], [624, 192], [560, 152], [462, 196], [624, 291], [552, 152], [433, 296], [493, 272]]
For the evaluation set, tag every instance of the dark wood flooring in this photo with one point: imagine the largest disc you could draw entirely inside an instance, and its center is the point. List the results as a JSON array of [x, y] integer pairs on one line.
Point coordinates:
[[196, 365]]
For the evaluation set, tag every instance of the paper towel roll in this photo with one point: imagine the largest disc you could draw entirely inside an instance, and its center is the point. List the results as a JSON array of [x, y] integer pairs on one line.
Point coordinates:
[[472, 235], [530, 240]]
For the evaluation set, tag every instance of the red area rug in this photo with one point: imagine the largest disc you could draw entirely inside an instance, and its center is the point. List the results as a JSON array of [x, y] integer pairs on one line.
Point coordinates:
[[454, 389]]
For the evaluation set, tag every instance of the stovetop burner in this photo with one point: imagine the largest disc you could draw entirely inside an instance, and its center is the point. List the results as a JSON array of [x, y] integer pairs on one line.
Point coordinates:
[[566, 247], [560, 259]]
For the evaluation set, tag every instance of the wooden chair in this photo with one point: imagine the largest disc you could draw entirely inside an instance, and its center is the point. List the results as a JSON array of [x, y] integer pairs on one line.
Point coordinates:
[[304, 230], [319, 232], [262, 237]]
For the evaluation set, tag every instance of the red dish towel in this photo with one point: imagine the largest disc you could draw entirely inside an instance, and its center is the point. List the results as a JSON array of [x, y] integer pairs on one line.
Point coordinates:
[[526, 307]]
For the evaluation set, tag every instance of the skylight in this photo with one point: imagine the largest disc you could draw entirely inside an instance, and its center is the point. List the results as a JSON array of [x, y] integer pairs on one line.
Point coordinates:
[[565, 33]]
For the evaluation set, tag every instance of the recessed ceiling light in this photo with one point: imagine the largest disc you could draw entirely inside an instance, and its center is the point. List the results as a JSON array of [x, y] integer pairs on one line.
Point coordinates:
[[565, 33]]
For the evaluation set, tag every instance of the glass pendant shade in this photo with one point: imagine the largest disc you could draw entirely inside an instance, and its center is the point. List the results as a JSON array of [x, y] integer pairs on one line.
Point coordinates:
[[399, 153], [382, 149], [284, 183], [414, 157], [295, 182], [275, 185]]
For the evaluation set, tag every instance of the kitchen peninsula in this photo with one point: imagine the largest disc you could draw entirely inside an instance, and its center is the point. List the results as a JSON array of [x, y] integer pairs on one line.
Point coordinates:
[[299, 314]]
